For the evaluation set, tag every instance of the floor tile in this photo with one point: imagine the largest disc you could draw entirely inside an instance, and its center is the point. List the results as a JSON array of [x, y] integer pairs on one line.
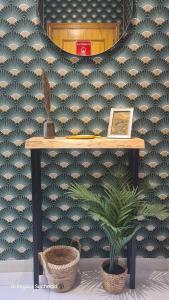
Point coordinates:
[[152, 283], [7, 279], [9, 293]]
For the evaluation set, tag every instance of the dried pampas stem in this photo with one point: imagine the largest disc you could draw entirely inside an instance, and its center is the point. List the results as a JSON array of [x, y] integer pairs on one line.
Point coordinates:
[[47, 93]]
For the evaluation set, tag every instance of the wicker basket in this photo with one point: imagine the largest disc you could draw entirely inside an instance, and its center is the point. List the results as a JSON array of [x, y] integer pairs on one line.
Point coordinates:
[[112, 283], [60, 264]]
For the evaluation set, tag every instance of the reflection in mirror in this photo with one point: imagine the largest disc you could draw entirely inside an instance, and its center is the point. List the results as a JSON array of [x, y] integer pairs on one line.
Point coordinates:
[[86, 27]]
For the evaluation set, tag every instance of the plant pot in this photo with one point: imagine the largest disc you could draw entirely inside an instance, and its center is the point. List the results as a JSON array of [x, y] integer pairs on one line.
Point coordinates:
[[48, 129], [60, 264], [113, 283]]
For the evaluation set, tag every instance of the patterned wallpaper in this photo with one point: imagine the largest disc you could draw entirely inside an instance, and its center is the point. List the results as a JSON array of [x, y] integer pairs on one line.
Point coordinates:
[[84, 89], [86, 11]]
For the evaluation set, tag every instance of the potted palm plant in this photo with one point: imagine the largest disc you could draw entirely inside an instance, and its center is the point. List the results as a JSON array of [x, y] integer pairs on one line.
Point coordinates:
[[118, 209]]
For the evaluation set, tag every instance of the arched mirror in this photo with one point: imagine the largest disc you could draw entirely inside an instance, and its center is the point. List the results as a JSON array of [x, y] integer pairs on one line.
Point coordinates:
[[85, 27]]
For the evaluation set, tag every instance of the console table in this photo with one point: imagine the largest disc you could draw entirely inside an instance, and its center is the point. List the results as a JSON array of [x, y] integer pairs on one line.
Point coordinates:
[[36, 144]]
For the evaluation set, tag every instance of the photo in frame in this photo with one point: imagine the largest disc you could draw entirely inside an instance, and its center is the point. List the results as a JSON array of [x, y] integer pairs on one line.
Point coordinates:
[[120, 123]]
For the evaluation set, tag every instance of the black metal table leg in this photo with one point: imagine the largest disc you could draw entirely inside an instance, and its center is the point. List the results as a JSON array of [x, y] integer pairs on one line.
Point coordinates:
[[128, 255], [133, 155], [132, 262], [36, 211], [131, 247]]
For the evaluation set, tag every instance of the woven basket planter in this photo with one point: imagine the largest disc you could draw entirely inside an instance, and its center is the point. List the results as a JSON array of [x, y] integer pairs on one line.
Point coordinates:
[[113, 283], [60, 264]]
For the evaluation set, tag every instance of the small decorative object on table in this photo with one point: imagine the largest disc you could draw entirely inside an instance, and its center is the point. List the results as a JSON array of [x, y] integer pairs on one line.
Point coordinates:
[[83, 137], [120, 123], [48, 126]]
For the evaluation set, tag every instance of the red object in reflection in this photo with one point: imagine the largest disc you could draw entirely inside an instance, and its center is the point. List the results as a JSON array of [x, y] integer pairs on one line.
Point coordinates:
[[83, 48]]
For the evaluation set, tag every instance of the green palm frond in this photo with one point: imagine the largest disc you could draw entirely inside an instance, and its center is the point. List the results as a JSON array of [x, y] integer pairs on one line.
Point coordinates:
[[80, 192], [103, 220], [122, 241], [105, 223], [118, 209], [121, 204], [154, 210]]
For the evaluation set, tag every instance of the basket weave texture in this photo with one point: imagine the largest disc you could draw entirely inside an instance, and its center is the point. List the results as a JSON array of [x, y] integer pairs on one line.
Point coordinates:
[[60, 264], [113, 283]]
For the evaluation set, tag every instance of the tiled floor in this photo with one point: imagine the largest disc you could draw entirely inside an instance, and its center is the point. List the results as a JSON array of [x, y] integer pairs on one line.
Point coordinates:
[[152, 283]]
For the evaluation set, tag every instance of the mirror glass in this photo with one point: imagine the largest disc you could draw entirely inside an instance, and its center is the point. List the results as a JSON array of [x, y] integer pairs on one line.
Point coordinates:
[[85, 27]]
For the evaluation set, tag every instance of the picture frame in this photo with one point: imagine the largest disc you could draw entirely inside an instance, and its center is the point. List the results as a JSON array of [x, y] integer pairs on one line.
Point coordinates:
[[120, 123]]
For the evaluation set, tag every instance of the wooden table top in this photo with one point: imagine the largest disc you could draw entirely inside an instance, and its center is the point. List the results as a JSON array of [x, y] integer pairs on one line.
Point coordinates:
[[96, 143]]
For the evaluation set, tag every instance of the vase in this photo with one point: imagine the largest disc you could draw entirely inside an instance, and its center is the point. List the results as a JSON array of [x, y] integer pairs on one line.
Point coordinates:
[[48, 129]]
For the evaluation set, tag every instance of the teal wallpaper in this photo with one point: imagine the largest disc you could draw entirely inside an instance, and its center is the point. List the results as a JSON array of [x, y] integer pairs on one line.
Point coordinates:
[[84, 89]]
